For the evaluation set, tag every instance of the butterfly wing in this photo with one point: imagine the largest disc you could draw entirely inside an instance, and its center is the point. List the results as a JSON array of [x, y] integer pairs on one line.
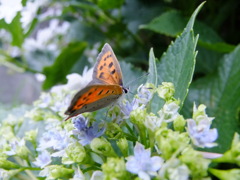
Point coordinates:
[[107, 69], [92, 98]]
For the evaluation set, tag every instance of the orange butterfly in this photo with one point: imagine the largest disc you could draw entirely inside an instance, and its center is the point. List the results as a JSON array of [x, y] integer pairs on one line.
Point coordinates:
[[104, 89]]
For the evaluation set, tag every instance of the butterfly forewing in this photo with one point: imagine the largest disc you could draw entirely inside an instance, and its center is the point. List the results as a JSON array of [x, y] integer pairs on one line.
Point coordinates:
[[93, 98], [107, 68]]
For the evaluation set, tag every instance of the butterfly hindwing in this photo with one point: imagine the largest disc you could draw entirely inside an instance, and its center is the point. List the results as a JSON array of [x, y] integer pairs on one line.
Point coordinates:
[[107, 68], [92, 98]]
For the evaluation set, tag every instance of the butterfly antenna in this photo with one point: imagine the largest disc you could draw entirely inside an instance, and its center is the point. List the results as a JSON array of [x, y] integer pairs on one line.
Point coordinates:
[[144, 75]]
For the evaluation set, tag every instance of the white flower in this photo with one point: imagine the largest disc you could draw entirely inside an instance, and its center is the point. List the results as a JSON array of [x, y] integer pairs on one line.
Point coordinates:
[[9, 9], [173, 169], [47, 38], [75, 81], [169, 112], [43, 159], [78, 175], [152, 122], [97, 175], [142, 163], [30, 11]]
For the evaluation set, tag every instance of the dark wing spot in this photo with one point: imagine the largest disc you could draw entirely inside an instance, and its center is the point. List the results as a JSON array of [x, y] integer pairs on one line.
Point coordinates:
[[107, 92], [85, 98], [79, 105], [104, 64], [101, 75], [89, 93], [110, 65], [100, 92], [101, 67], [105, 58], [113, 71], [113, 92]]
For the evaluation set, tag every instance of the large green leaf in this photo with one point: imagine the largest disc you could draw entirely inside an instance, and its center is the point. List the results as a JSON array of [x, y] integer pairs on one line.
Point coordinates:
[[172, 22], [221, 92], [152, 70], [15, 28], [57, 72], [177, 64]]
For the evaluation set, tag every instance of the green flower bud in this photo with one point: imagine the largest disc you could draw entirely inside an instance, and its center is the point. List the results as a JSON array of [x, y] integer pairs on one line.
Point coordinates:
[[170, 142], [76, 152], [232, 155], [31, 135], [7, 133], [226, 174], [56, 171], [138, 116], [102, 146], [123, 146], [179, 123], [166, 91], [23, 152], [114, 168], [195, 162], [200, 111], [114, 131], [7, 165]]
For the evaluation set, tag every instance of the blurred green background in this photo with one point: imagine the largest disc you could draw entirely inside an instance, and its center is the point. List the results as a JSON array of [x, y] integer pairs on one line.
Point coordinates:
[[49, 39]]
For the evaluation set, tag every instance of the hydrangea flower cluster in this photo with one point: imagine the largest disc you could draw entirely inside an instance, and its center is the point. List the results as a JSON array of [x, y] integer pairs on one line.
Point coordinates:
[[133, 144]]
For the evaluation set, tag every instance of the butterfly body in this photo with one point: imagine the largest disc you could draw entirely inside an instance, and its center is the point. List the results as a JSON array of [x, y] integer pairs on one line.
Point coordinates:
[[105, 88]]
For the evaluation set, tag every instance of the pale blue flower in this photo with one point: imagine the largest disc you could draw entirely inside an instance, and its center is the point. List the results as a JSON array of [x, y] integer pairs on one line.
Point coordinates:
[[84, 132], [201, 134], [14, 145], [142, 163], [140, 101], [55, 139], [43, 159]]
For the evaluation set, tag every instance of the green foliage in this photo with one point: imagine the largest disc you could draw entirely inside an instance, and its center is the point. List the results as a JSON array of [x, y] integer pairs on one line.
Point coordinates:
[[63, 64]]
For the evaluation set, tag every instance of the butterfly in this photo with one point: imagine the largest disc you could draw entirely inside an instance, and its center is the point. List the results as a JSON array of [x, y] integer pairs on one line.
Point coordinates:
[[105, 88]]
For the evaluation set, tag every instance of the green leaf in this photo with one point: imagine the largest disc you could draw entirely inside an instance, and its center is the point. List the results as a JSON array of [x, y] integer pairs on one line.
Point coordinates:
[[221, 92], [109, 4], [63, 64], [15, 28], [172, 22], [152, 77], [177, 64]]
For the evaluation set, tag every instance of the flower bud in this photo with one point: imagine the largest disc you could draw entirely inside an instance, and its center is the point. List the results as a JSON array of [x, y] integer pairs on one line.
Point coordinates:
[[179, 123], [138, 116], [169, 142], [166, 91], [31, 135], [114, 131], [7, 165], [195, 162], [56, 171], [102, 146], [76, 152], [114, 168], [123, 146]]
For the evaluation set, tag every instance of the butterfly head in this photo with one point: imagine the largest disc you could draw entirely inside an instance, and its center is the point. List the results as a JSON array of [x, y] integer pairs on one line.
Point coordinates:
[[125, 90]]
